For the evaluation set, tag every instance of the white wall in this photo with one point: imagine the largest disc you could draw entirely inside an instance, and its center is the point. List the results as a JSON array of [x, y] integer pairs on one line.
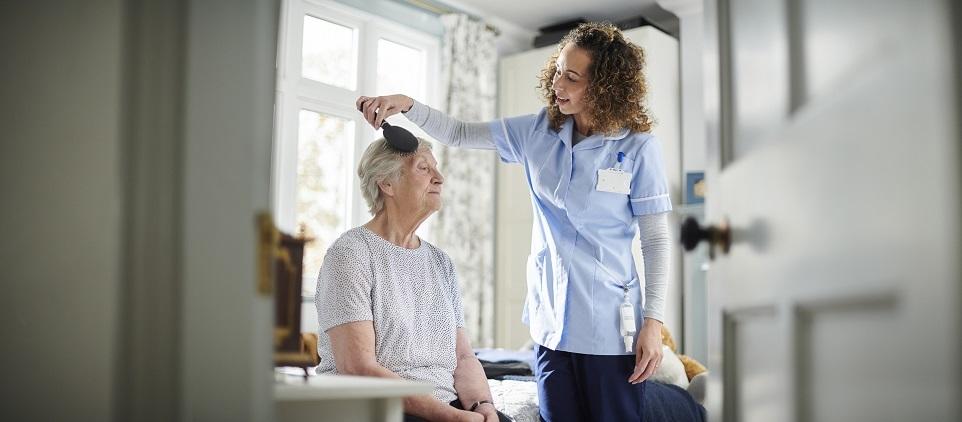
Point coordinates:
[[692, 108], [60, 184]]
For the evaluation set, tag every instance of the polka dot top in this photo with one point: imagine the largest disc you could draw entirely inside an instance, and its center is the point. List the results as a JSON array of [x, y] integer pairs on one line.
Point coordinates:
[[411, 296]]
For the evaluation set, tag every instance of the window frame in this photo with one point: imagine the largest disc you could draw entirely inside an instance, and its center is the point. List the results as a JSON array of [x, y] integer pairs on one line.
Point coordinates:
[[295, 92]]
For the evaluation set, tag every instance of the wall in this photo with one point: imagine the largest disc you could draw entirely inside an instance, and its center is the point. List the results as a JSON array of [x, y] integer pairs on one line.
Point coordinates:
[[61, 219], [692, 108]]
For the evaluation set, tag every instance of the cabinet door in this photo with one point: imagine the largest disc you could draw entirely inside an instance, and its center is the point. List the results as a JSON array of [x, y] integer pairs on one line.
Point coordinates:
[[517, 95]]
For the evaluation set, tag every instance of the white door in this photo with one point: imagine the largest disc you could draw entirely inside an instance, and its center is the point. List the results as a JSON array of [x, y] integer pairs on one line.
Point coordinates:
[[833, 131]]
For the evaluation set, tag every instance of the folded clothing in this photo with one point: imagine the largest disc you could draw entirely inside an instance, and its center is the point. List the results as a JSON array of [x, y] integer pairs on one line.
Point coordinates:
[[501, 363]]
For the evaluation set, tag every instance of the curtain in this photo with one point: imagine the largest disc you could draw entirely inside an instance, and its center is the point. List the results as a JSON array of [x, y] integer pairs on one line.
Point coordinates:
[[464, 227]]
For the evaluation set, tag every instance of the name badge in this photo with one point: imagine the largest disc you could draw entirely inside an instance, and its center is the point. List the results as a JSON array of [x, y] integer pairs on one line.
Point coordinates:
[[614, 181]]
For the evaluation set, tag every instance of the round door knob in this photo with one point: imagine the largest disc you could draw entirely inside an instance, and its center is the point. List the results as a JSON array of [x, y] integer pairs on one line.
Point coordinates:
[[692, 233]]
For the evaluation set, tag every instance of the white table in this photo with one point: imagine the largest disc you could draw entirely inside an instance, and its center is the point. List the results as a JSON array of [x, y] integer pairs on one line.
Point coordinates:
[[343, 398]]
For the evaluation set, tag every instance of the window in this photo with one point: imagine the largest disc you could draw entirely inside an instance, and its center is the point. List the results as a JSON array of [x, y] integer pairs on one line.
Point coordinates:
[[329, 55], [322, 181]]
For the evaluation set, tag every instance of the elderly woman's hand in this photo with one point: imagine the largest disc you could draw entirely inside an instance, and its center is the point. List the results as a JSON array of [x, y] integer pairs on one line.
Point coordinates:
[[466, 416], [376, 109], [489, 412]]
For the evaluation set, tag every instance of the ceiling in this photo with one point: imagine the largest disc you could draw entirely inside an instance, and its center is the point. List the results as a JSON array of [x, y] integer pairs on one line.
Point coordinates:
[[534, 14]]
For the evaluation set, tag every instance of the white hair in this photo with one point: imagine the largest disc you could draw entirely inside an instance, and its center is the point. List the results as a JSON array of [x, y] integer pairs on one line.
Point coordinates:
[[381, 163]]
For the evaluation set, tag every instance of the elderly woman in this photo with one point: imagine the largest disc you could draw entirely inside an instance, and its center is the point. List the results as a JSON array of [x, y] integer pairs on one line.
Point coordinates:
[[389, 301]]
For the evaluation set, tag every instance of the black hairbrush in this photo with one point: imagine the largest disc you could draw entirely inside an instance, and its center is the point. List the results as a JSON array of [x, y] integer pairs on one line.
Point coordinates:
[[398, 138]]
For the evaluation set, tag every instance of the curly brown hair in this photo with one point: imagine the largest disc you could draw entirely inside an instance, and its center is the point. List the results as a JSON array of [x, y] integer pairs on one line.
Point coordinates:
[[617, 88]]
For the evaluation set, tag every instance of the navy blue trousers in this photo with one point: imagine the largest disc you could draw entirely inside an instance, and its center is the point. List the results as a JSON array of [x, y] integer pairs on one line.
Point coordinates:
[[580, 388]]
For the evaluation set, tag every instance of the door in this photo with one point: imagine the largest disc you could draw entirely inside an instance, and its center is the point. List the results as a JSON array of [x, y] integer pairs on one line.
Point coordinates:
[[833, 134]]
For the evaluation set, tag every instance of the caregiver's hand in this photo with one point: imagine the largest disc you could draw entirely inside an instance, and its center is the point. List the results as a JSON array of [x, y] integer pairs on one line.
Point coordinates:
[[647, 351], [376, 109]]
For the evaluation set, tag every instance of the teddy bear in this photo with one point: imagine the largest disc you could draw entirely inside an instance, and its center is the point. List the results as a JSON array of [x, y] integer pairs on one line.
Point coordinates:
[[680, 370]]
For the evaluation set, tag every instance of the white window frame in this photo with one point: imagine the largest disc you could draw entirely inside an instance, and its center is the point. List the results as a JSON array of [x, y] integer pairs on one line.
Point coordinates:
[[295, 92]]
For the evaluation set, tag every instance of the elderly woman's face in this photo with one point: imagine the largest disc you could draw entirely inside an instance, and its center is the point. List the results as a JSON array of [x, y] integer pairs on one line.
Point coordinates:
[[419, 188], [571, 79]]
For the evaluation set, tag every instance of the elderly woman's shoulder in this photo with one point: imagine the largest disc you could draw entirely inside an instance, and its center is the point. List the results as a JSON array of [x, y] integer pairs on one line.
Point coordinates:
[[350, 242], [440, 256]]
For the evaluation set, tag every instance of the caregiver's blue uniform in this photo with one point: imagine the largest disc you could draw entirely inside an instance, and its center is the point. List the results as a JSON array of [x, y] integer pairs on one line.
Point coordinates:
[[581, 238], [581, 261]]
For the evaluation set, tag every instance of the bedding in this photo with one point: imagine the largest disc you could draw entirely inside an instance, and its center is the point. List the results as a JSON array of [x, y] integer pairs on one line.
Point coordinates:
[[516, 398]]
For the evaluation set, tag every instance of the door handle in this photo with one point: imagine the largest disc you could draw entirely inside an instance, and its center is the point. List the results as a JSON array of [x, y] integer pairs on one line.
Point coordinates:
[[692, 233]]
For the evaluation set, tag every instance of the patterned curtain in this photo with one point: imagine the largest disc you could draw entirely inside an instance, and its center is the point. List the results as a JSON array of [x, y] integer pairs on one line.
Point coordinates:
[[464, 227]]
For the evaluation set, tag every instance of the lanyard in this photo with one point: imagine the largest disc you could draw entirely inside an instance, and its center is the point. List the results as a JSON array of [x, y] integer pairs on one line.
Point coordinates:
[[627, 321]]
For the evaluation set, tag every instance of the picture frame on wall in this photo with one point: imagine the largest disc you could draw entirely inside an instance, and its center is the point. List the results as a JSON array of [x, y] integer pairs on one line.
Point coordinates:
[[695, 187]]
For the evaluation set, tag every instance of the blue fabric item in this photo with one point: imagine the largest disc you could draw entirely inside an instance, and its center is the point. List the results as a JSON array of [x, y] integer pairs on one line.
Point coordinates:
[[671, 403], [581, 238], [574, 387], [525, 378]]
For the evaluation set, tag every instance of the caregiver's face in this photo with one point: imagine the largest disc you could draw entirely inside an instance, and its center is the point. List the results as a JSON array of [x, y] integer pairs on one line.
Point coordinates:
[[570, 81]]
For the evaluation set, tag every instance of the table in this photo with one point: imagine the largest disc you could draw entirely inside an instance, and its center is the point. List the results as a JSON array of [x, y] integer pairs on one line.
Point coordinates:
[[343, 398]]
